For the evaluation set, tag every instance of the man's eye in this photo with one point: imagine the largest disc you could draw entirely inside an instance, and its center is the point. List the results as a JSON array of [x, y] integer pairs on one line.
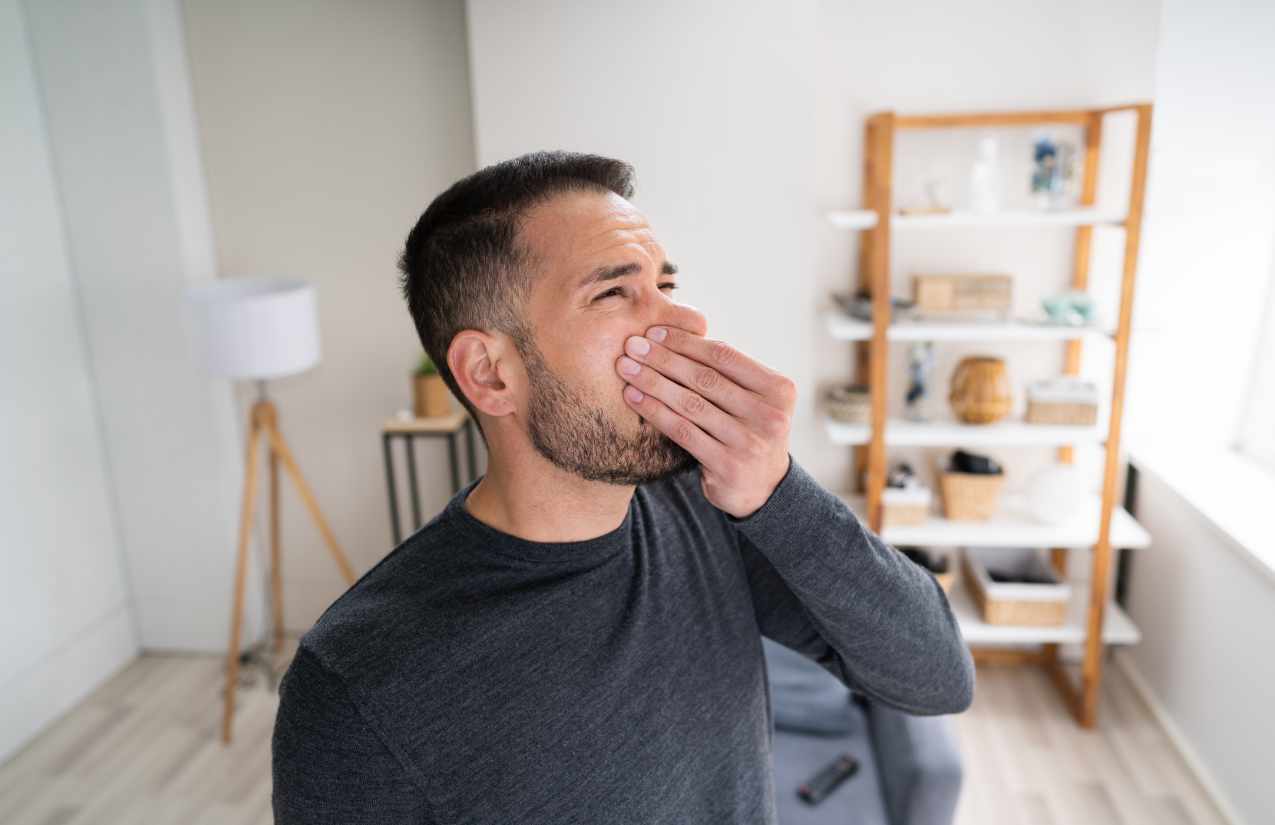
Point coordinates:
[[616, 290]]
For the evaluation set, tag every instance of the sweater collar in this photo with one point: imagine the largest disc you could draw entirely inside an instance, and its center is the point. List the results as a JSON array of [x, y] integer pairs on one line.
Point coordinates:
[[508, 544]]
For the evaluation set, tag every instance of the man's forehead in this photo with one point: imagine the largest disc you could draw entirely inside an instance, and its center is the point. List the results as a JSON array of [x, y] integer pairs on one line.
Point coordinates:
[[580, 227]]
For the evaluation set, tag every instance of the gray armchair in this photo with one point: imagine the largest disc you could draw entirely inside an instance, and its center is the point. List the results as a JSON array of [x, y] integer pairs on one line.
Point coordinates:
[[909, 766]]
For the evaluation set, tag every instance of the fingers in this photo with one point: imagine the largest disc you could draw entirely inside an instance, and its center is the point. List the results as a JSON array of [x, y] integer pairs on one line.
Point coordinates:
[[685, 402]]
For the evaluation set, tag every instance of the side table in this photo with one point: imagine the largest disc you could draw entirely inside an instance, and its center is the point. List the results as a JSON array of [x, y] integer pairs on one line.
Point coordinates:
[[408, 430]]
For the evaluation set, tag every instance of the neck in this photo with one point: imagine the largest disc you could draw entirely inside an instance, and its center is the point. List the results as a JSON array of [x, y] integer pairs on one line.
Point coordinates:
[[538, 501]]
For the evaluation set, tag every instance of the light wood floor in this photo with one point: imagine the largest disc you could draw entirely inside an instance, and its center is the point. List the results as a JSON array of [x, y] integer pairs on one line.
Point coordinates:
[[145, 748]]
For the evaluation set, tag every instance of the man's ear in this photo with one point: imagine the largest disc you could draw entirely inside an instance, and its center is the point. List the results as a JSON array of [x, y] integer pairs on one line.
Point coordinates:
[[488, 370]]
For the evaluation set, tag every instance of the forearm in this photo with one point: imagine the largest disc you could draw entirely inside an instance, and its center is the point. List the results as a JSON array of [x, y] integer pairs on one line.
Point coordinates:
[[877, 621]]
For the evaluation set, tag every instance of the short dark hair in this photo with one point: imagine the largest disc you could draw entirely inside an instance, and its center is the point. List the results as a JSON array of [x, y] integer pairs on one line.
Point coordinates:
[[464, 267]]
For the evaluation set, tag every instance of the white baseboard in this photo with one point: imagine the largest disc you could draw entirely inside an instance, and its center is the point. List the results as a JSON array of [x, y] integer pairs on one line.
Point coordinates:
[[38, 697], [1179, 740]]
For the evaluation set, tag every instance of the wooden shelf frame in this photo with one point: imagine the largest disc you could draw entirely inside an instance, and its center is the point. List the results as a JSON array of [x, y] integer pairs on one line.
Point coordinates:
[[870, 361]]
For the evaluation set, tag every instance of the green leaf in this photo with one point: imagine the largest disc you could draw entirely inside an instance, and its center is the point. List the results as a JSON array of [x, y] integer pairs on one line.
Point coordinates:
[[426, 366]]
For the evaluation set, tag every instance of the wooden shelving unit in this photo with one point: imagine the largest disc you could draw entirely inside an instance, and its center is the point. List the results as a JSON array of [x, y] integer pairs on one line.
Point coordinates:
[[1093, 621]]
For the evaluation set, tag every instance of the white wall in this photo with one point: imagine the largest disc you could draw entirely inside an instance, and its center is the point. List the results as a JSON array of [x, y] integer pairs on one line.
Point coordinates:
[[714, 104], [327, 127], [64, 600], [113, 81], [1205, 601]]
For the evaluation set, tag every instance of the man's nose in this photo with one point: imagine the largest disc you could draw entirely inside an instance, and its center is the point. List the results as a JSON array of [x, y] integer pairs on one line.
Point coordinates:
[[682, 316]]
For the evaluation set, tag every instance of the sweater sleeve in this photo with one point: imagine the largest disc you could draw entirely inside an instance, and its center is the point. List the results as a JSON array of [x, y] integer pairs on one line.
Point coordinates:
[[825, 585], [328, 765]]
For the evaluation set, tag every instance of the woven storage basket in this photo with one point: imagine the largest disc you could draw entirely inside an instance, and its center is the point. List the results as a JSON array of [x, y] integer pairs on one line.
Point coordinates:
[[970, 496], [1049, 412], [902, 506], [848, 403], [1062, 400], [1007, 603]]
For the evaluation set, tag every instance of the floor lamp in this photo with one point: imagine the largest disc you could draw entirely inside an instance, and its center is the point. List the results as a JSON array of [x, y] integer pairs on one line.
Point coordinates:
[[258, 329]]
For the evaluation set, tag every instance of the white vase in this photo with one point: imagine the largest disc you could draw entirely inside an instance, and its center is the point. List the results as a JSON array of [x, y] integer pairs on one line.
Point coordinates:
[[1056, 494], [985, 178]]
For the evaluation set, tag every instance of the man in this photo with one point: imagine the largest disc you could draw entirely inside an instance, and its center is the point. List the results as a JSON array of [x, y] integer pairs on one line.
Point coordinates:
[[576, 636]]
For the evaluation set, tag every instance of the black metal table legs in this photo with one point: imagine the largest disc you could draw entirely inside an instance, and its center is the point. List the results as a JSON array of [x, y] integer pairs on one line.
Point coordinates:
[[387, 450]]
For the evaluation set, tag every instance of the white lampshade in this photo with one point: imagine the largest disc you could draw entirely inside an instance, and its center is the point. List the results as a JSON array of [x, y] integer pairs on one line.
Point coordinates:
[[256, 328]]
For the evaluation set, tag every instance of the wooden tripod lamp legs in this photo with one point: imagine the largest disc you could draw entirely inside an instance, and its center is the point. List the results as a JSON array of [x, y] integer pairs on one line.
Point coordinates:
[[264, 420]]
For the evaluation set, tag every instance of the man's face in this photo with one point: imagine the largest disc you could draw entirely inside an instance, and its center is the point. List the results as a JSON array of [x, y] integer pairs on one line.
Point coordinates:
[[601, 277]]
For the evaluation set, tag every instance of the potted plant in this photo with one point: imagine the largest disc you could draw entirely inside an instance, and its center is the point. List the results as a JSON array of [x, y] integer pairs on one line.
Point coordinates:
[[430, 394]]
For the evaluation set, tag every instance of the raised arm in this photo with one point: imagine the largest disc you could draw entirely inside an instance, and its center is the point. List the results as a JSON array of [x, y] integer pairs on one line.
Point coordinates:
[[826, 586], [328, 764], [823, 583]]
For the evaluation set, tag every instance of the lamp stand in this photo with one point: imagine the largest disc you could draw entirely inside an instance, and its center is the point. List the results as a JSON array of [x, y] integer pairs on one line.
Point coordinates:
[[263, 421]]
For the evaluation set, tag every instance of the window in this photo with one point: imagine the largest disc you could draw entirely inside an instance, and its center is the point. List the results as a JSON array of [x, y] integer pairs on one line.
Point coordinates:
[[1257, 426]]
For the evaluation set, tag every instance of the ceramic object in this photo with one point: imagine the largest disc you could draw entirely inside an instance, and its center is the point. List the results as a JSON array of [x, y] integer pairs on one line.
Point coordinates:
[[1056, 494], [920, 364], [980, 390], [1070, 307], [851, 403], [985, 178]]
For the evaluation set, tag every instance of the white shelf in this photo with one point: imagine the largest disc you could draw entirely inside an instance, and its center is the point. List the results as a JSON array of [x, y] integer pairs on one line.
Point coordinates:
[[1117, 627], [1025, 217], [899, 432], [853, 218], [866, 218], [844, 328], [1012, 527]]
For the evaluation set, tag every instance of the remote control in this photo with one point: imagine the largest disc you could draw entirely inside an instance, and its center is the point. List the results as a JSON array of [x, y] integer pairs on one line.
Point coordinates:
[[829, 777]]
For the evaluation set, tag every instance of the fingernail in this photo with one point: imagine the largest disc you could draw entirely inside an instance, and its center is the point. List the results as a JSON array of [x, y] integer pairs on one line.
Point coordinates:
[[633, 393], [628, 366], [656, 333], [639, 345]]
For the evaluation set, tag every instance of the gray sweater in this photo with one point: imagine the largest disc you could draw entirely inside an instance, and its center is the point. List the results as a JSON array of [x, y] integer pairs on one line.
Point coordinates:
[[474, 676]]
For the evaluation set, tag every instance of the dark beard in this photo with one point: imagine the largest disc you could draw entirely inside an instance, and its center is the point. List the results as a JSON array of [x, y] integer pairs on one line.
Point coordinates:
[[582, 440]]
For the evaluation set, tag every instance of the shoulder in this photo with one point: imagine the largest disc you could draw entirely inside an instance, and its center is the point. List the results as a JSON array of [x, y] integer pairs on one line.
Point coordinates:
[[330, 762], [379, 616]]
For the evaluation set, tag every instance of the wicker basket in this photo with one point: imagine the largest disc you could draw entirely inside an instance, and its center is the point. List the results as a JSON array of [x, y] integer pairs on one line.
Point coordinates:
[[901, 506], [970, 496], [1015, 603], [849, 403], [1063, 400], [1049, 412]]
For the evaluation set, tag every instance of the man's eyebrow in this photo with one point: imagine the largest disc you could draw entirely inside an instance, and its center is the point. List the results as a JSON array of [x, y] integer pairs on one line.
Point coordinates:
[[608, 272]]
